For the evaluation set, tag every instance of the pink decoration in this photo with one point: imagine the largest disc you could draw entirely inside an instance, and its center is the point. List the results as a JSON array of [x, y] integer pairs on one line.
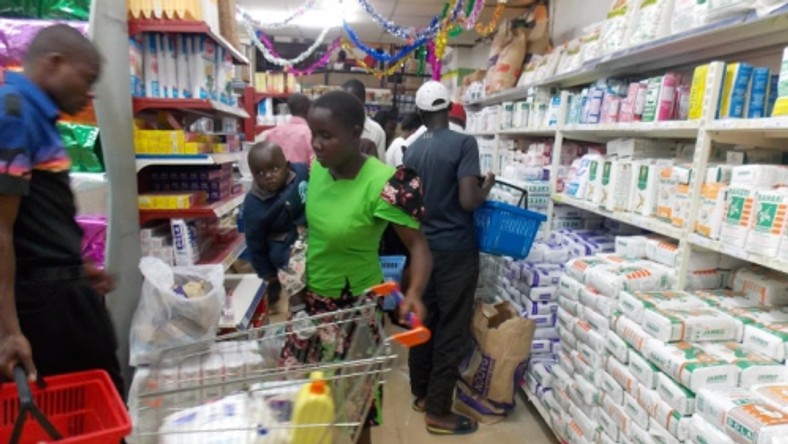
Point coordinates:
[[321, 62]]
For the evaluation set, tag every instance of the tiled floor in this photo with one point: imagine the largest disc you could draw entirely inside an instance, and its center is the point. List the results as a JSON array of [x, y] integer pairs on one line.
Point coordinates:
[[404, 426]]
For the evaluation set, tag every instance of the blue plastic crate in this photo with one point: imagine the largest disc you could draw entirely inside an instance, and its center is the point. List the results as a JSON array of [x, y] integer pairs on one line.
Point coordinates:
[[506, 230]]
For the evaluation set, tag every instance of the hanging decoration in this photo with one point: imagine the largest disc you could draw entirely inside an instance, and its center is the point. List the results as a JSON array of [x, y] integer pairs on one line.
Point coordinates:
[[421, 54], [379, 56], [301, 10], [435, 62], [263, 43], [489, 28], [467, 21], [411, 34], [321, 62], [378, 73]]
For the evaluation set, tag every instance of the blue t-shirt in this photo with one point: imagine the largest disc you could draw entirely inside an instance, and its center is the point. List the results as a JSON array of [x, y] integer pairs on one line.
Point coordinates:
[[441, 158], [35, 165]]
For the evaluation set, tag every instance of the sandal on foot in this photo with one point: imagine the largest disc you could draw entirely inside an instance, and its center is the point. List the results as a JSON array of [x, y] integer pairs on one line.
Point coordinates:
[[417, 408], [464, 426]]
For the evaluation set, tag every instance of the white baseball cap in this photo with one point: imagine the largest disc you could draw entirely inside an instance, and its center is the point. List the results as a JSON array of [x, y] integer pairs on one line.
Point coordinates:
[[433, 96]]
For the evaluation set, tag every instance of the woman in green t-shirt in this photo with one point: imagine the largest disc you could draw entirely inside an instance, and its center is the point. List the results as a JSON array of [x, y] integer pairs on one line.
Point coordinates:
[[351, 198]]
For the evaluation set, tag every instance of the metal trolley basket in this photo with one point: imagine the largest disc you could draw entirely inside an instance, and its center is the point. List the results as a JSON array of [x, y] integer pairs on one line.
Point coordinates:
[[354, 367]]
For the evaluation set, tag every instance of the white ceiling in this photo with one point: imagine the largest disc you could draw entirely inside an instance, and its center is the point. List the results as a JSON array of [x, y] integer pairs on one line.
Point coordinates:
[[416, 13]]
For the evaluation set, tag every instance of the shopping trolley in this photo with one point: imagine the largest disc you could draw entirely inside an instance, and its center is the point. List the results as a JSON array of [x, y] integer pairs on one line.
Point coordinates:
[[354, 366]]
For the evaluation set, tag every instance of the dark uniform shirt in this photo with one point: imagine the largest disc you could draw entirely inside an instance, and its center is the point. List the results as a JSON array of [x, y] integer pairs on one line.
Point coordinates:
[[35, 165]]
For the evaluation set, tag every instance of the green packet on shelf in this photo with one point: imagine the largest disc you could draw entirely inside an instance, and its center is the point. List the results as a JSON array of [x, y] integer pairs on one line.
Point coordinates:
[[46, 9], [83, 145]]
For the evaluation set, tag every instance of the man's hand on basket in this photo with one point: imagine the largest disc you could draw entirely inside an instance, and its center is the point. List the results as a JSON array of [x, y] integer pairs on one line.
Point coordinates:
[[15, 350], [412, 304]]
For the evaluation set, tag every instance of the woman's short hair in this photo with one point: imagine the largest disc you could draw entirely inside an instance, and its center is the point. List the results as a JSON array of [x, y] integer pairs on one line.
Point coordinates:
[[344, 107]]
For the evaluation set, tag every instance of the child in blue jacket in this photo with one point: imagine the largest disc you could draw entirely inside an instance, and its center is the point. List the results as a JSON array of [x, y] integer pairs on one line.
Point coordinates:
[[273, 212]]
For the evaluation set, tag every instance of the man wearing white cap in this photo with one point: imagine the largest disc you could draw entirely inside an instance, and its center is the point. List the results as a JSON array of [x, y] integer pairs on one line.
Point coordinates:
[[448, 164]]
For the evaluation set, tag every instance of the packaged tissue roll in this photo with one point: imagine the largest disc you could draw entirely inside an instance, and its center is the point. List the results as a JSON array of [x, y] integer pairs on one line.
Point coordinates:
[[775, 395], [725, 299], [579, 268], [700, 431], [762, 286], [690, 365], [612, 280], [743, 416], [634, 303], [675, 395], [617, 347], [644, 371], [691, 324], [765, 330], [754, 368], [631, 332]]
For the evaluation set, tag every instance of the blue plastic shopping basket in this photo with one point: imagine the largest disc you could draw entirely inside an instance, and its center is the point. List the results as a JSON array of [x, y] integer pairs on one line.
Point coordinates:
[[507, 230]]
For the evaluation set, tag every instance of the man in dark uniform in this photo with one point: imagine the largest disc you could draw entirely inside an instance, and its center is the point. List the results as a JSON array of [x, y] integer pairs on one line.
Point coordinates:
[[52, 314]]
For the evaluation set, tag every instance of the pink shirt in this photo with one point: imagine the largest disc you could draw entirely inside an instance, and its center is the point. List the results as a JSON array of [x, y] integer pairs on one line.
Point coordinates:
[[295, 138]]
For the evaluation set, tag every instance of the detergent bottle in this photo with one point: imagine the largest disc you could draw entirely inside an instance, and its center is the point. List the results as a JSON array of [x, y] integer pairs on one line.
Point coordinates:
[[314, 405]]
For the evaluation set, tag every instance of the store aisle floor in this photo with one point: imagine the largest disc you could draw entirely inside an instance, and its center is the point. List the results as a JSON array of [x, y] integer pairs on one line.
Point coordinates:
[[401, 425]]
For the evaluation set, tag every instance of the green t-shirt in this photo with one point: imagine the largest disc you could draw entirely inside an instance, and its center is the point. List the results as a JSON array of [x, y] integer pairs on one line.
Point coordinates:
[[346, 220]]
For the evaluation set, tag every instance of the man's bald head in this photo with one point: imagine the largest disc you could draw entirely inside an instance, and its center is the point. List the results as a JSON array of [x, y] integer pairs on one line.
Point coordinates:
[[65, 65]]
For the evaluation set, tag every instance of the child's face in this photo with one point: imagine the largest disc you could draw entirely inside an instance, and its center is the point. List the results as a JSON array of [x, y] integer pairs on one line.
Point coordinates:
[[270, 171]]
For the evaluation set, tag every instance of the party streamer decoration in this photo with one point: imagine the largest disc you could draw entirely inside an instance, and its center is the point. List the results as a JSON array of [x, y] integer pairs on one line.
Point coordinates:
[[485, 30], [263, 43], [374, 71], [321, 62], [378, 56], [435, 62], [411, 34], [301, 10]]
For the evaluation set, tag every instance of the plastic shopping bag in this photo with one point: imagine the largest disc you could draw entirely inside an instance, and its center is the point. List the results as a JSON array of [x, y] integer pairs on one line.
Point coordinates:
[[166, 317]]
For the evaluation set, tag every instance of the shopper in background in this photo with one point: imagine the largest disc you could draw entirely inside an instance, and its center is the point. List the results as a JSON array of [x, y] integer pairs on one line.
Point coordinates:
[[52, 314], [457, 118], [388, 119], [448, 163], [350, 200], [396, 150], [273, 213], [294, 136], [372, 130]]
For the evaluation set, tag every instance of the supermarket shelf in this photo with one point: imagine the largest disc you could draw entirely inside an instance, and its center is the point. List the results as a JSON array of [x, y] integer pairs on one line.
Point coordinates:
[[721, 247], [542, 409], [535, 132], [214, 210], [200, 106], [720, 40], [145, 160], [482, 133], [686, 129], [137, 26], [646, 223], [224, 254]]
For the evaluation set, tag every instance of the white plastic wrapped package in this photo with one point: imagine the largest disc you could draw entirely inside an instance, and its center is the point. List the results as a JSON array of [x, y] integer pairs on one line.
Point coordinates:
[[720, 9], [704, 279], [543, 374], [662, 435], [561, 378], [631, 246], [609, 426], [621, 374], [566, 319], [539, 308], [618, 27], [566, 362], [582, 330], [765, 330], [775, 395], [589, 391], [590, 297], [636, 413], [583, 368], [644, 371], [665, 252], [675, 395], [623, 261], [762, 286], [543, 294], [612, 389], [671, 421], [598, 321], [569, 306], [594, 359], [631, 332], [612, 280], [578, 269], [634, 303], [165, 318], [617, 414], [541, 346], [691, 366], [541, 275], [687, 15], [691, 324], [755, 368], [742, 416], [653, 22], [617, 347], [569, 288], [700, 431], [726, 299], [546, 333]]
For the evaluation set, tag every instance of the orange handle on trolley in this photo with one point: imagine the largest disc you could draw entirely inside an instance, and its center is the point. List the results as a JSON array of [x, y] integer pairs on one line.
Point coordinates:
[[418, 333]]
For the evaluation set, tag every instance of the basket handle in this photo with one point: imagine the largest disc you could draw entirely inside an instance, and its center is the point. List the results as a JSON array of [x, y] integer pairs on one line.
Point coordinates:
[[28, 405], [523, 203]]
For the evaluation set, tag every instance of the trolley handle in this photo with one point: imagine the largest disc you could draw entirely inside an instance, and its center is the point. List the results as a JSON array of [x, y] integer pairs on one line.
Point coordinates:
[[28, 405], [418, 333], [523, 203]]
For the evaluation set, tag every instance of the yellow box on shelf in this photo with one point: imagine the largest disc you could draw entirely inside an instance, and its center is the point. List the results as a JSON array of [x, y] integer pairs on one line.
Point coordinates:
[[168, 201]]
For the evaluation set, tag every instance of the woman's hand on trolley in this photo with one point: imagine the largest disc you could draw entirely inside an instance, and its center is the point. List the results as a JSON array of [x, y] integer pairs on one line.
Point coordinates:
[[412, 304]]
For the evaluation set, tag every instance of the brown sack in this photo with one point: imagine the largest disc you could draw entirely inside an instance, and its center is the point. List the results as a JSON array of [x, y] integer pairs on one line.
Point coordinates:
[[502, 345], [506, 57]]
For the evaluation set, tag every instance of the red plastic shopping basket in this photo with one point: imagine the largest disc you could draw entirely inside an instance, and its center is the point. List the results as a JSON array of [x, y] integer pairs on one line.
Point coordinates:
[[82, 407]]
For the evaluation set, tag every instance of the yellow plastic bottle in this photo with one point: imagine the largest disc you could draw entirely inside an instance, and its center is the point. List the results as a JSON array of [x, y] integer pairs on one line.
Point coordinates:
[[314, 406]]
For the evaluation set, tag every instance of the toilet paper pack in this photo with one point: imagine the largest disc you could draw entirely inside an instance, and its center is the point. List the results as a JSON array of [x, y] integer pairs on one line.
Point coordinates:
[[617, 347], [775, 395], [743, 416], [768, 222], [702, 432], [770, 340], [616, 412], [644, 371], [634, 303], [661, 435], [631, 246], [671, 421], [565, 361], [691, 324], [631, 332], [561, 378], [590, 297], [609, 426], [598, 321], [725, 299], [566, 319], [579, 268], [589, 427], [621, 374], [738, 215], [754, 368], [648, 399], [584, 369], [636, 413], [567, 338], [761, 285], [675, 395], [594, 359], [569, 288], [611, 280], [568, 306], [691, 366], [588, 391], [612, 389]]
